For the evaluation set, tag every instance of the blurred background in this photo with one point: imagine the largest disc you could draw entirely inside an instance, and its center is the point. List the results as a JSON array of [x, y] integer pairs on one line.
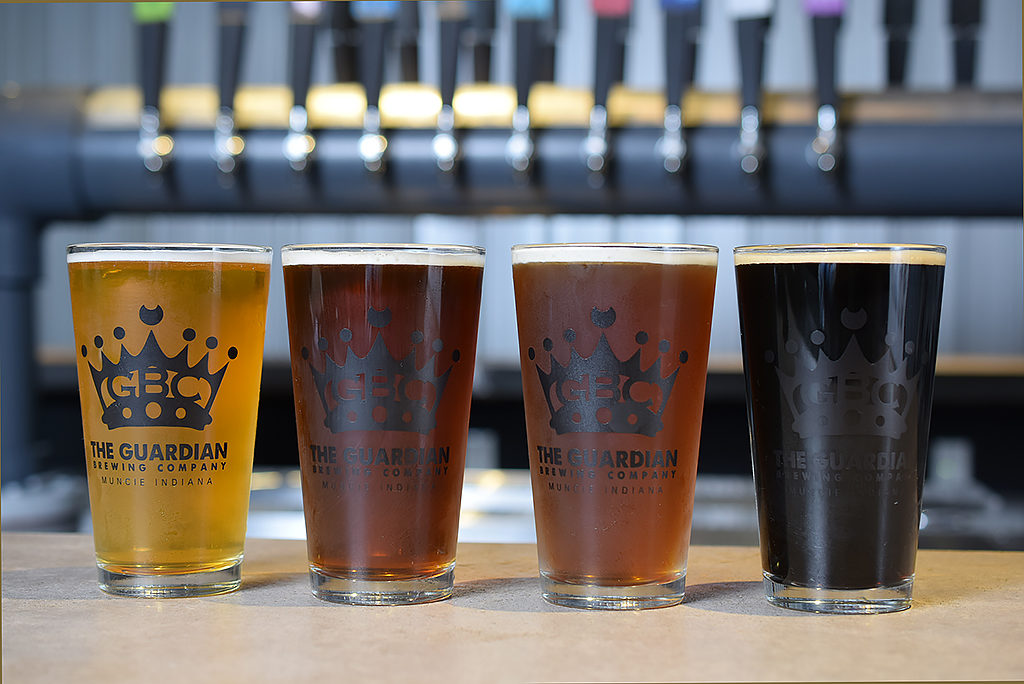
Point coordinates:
[[723, 122]]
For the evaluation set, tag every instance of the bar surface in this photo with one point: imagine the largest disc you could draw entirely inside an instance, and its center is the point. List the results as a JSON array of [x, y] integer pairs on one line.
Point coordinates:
[[965, 624]]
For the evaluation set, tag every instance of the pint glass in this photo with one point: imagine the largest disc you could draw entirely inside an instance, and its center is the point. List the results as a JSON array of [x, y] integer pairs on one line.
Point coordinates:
[[170, 350], [383, 343], [614, 348], [839, 347]]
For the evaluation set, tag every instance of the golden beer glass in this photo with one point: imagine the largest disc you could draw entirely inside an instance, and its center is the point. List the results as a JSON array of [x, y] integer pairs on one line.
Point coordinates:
[[169, 344]]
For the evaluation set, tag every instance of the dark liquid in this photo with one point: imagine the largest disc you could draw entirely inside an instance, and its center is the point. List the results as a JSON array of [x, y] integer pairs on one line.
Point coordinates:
[[839, 382], [613, 506], [381, 483]]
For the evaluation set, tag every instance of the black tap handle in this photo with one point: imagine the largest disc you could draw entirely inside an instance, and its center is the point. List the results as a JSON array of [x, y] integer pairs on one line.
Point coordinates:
[[526, 35], [232, 37], [153, 60], [549, 37], [965, 16], [344, 37], [371, 58], [751, 35], [899, 19], [825, 30], [451, 32], [303, 34], [610, 57], [407, 26], [681, 30], [481, 25]]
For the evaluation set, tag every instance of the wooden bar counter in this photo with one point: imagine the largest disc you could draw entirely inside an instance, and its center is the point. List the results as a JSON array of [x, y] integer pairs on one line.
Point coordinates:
[[967, 623]]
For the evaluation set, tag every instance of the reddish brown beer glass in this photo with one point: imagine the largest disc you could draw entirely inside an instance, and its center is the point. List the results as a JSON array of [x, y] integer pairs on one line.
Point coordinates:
[[614, 345], [383, 342]]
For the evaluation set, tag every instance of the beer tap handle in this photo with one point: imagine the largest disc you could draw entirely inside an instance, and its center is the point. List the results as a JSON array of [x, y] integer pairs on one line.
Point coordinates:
[[407, 26], [899, 19], [612, 24], [228, 145], [549, 38], [298, 142], [826, 16], [453, 15], [481, 37], [965, 16], [376, 21], [154, 145], [682, 27], [752, 20], [528, 17], [344, 38]]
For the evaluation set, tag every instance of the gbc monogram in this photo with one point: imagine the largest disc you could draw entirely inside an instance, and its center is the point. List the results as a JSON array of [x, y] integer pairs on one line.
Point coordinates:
[[152, 389], [602, 393]]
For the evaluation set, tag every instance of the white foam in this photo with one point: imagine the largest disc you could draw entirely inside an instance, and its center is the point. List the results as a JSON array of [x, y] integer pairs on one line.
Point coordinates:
[[624, 253], [852, 253], [382, 254], [181, 252]]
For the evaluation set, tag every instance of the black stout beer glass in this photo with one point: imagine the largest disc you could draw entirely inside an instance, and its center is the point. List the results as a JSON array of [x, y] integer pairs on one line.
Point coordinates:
[[383, 341], [839, 345], [613, 343]]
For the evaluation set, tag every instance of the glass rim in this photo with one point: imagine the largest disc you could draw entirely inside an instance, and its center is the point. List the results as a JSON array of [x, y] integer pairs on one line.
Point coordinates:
[[681, 254], [357, 247], [170, 251], [382, 253], [853, 252]]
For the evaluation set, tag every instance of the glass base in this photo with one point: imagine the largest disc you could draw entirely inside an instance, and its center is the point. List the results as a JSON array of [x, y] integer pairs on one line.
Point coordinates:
[[603, 597], [889, 599], [178, 585], [382, 592]]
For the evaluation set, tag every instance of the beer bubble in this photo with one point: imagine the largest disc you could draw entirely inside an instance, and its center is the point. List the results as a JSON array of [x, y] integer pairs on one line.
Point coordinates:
[[642, 337], [437, 346], [305, 353], [211, 342], [188, 334], [85, 352], [569, 335], [321, 344], [416, 337], [456, 355], [119, 333], [547, 344], [98, 341], [531, 352], [664, 346], [817, 337], [232, 352], [683, 356], [345, 335]]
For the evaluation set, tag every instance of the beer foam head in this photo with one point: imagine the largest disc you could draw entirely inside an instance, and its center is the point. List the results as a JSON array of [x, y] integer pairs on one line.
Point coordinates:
[[177, 252], [381, 254], [851, 253], [616, 253]]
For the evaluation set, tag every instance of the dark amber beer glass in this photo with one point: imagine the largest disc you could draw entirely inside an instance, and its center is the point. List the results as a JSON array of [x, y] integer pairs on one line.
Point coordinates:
[[170, 350], [383, 342], [614, 350], [839, 346]]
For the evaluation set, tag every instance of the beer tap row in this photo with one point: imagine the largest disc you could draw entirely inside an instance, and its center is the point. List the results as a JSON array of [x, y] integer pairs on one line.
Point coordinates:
[[380, 139]]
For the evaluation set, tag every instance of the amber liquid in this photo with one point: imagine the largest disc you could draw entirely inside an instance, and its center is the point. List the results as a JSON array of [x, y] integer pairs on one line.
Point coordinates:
[[622, 518], [370, 514], [163, 515]]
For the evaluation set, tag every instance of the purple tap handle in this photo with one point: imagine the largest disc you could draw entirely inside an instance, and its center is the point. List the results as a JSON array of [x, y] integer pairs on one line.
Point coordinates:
[[824, 8]]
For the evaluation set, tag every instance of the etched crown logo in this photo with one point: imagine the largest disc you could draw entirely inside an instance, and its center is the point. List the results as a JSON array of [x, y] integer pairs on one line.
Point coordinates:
[[379, 391], [602, 393], [849, 395], [150, 388]]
